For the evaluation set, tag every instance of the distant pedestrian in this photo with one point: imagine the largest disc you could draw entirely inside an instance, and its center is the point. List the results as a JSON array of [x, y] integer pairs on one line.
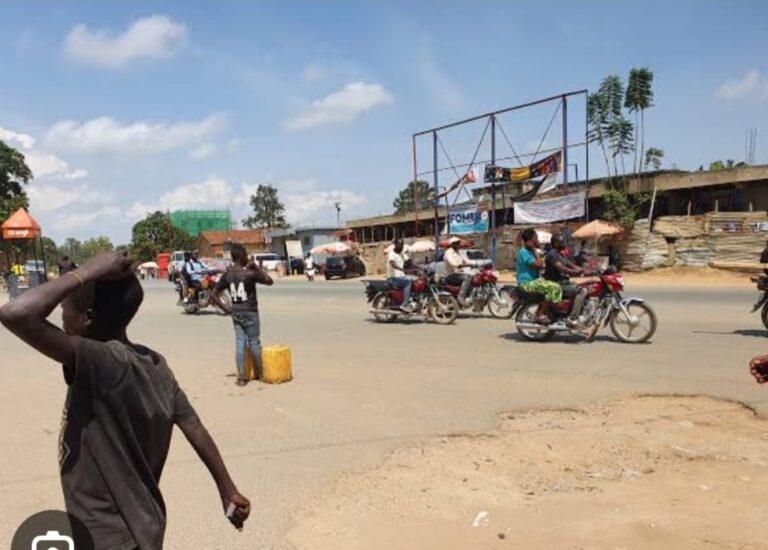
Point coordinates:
[[65, 266], [613, 257], [240, 280]]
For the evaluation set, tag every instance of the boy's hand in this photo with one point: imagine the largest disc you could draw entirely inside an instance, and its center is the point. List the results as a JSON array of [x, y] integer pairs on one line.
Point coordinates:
[[242, 509], [108, 266], [758, 367]]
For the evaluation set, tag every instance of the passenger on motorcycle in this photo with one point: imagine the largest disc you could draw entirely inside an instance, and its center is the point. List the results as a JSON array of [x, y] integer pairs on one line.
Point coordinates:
[[454, 261], [528, 266], [396, 270], [558, 268]]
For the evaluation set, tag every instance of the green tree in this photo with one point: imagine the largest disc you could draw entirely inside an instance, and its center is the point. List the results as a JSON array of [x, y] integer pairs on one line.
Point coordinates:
[[14, 174], [620, 208], [50, 250], [94, 245], [155, 234], [268, 211], [406, 199], [653, 158], [73, 249], [638, 98], [597, 114], [717, 165]]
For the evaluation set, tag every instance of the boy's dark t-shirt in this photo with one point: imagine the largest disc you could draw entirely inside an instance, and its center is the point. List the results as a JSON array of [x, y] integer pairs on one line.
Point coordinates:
[[122, 404], [241, 284], [550, 271]]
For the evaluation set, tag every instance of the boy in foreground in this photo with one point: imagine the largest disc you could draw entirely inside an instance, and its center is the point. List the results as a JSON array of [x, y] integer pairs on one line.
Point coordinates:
[[122, 404], [241, 280]]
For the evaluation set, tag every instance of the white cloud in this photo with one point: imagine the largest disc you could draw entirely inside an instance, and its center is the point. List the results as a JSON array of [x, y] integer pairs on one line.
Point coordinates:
[[42, 163], [154, 37], [304, 202], [50, 198], [106, 135], [314, 72], [753, 85], [202, 152], [15, 139], [342, 106], [68, 221]]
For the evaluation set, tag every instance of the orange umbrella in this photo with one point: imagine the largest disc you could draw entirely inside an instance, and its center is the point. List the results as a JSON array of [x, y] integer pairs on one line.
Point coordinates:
[[596, 229], [463, 243], [20, 226]]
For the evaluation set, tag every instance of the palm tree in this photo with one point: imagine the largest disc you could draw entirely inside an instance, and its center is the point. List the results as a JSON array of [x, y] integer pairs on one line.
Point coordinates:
[[621, 137], [638, 98], [597, 114], [653, 158]]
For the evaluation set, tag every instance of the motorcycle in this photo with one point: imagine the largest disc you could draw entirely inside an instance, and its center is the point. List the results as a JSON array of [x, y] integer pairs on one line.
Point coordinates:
[[483, 292], [427, 299], [630, 318], [195, 301], [762, 286]]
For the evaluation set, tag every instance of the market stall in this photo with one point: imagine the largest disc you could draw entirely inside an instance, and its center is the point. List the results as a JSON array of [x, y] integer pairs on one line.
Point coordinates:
[[20, 233]]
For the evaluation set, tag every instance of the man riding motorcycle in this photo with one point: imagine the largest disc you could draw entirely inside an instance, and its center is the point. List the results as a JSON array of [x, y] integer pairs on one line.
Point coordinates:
[[454, 261], [193, 272], [558, 268], [396, 271]]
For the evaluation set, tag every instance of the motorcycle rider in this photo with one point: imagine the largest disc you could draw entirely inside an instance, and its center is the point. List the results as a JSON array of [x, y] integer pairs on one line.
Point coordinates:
[[454, 262], [396, 260], [558, 268], [195, 270], [528, 266]]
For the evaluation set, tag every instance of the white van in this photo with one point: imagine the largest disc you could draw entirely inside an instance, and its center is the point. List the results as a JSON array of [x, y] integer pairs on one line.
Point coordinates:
[[268, 260]]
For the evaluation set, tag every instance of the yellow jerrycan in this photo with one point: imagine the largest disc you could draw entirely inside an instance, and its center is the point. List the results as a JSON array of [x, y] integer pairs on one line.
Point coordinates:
[[277, 365]]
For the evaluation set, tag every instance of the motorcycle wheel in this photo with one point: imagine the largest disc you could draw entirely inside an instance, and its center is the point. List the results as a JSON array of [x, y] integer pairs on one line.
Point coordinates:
[[499, 310], [226, 299], [191, 308], [382, 302], [764, 315], [527, 314], [443, 310], [624, 329]]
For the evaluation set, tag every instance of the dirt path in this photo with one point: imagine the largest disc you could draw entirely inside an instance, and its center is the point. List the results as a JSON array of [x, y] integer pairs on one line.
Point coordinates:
[[637, 472]]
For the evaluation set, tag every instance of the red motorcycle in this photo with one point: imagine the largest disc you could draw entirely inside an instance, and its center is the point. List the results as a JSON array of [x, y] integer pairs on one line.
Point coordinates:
[[484, 291], [631, 319], [427, 300]]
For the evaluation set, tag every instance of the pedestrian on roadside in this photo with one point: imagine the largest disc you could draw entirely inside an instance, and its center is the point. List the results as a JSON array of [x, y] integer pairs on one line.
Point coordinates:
[[122, 403], [65, 266], [241, 280]]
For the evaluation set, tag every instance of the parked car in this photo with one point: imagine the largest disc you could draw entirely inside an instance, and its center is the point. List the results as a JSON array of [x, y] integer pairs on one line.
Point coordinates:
[[477, 258], [343, 267], [268, 260]]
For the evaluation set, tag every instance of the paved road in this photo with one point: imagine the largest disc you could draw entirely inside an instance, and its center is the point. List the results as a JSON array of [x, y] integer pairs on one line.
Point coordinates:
[[361, 389]]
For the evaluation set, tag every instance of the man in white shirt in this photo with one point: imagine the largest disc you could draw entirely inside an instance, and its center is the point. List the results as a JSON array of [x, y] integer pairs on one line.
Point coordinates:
[[396, 272], [454, 262]]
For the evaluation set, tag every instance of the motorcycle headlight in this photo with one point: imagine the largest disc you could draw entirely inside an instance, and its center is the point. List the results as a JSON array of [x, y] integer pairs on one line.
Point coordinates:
[[620, 280]]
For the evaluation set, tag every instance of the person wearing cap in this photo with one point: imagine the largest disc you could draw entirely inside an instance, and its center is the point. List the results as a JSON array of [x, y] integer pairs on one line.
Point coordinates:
[[454, 262]]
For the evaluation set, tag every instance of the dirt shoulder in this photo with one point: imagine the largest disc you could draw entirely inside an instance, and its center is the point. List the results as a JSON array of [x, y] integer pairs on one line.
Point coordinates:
[[637, 472]]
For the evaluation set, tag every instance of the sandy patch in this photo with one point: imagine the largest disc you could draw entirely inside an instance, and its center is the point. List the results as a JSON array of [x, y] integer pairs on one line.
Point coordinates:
[[632, 473]]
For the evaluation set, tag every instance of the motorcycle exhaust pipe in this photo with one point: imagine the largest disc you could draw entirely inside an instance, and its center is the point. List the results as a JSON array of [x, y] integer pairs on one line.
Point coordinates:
[[535, 326]]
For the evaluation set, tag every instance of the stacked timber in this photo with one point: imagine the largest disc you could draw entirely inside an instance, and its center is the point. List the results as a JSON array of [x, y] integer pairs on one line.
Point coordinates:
[[736, 248], [695, 251], [679, 227]]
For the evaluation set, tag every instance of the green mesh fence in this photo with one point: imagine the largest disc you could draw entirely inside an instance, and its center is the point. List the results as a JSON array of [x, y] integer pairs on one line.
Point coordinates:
[[196, 221]]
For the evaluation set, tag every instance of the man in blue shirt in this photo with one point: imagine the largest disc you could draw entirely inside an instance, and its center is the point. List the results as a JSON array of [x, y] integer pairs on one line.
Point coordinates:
[[529, 264]]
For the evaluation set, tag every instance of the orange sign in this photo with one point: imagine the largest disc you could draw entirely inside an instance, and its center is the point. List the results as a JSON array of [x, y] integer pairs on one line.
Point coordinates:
[[9, 234]]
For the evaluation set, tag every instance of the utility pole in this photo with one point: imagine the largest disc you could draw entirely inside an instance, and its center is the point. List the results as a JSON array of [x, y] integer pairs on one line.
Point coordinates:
[[337, 204]]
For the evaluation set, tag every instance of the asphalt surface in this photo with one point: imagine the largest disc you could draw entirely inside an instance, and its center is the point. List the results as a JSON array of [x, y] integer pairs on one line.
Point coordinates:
[[361, 389]]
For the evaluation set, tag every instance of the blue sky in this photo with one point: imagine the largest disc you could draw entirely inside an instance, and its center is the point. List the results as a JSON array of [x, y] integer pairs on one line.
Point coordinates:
[[125, 107]]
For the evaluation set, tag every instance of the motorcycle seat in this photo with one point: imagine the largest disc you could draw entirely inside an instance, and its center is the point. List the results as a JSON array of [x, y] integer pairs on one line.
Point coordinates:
[[378, 286], [529, 296]]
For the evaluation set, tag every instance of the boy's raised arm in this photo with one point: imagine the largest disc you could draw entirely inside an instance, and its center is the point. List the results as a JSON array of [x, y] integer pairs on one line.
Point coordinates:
[[27, 315]]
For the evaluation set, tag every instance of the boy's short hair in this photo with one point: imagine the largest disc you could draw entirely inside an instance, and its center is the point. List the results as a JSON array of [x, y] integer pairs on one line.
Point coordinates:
[[528, 234], [114, 303], [238, 252]]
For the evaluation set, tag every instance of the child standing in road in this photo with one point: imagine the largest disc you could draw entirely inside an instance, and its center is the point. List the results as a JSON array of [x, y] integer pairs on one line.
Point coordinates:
[[122, 403], [241, 280]]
